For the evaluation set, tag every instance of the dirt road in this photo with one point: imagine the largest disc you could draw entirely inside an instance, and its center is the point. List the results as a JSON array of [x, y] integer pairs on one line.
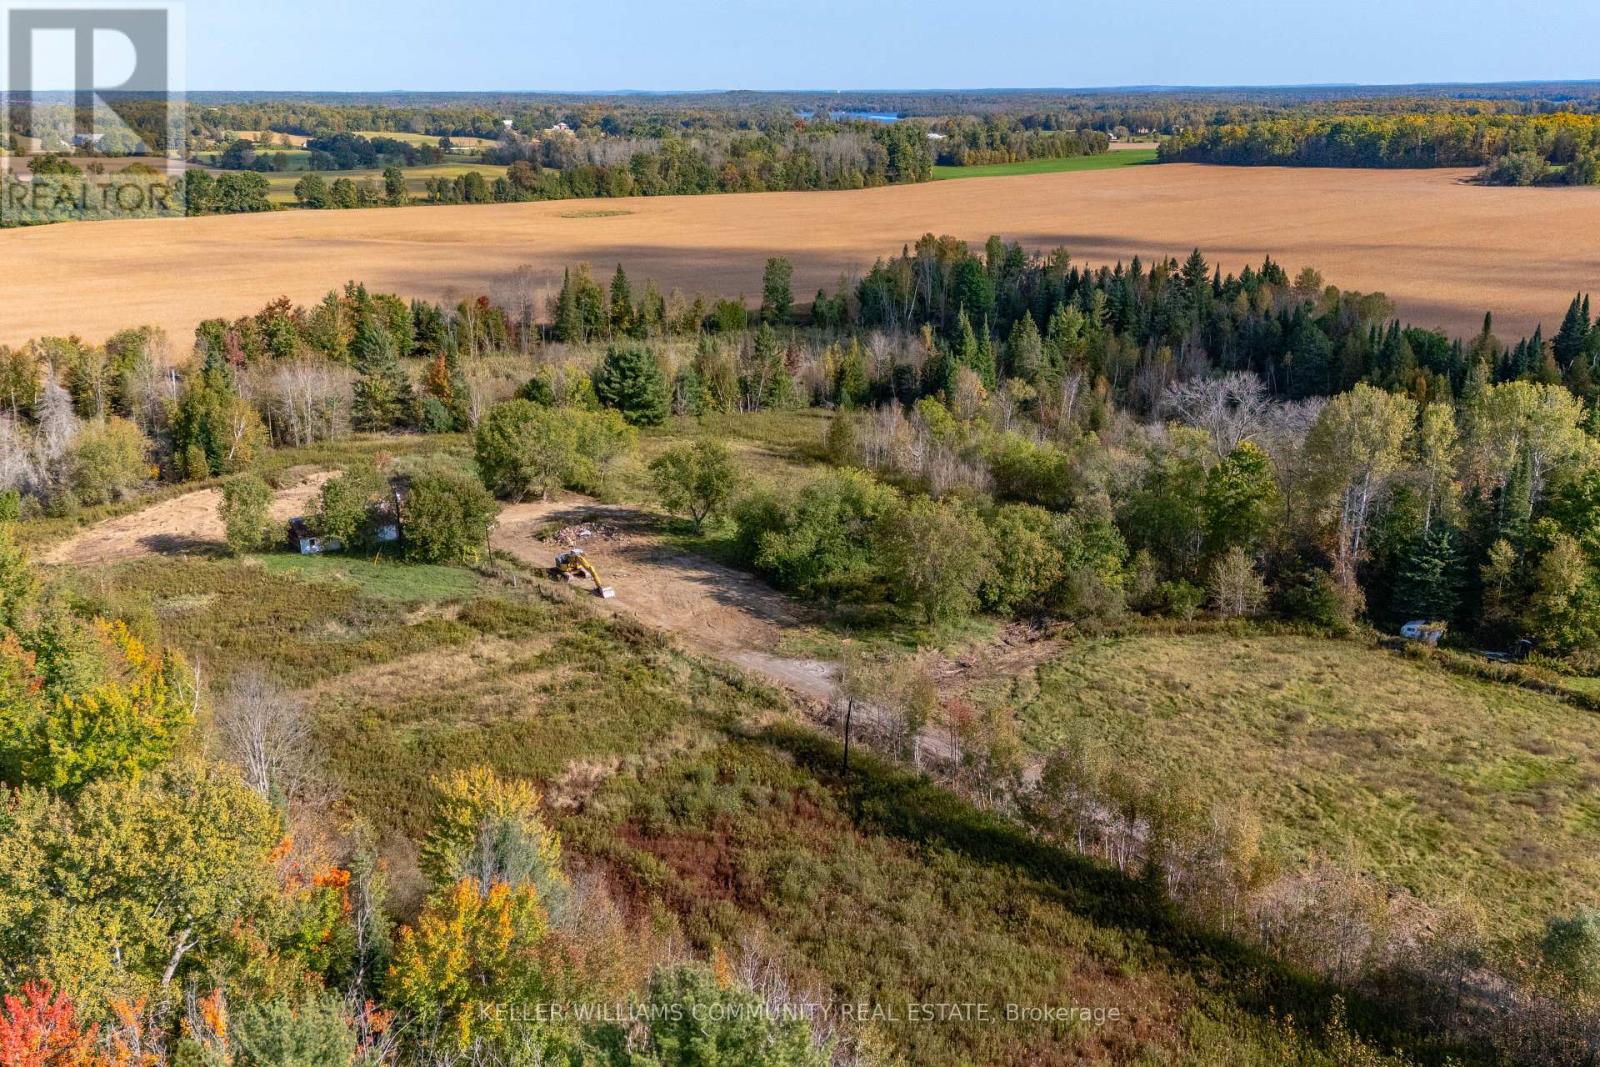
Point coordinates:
[[187, 523]]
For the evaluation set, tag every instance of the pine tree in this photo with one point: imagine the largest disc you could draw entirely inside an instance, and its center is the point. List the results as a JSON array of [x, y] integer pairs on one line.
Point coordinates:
[[1428, 585], [568, 316], [987, 368], [852, 387], [622, 312], [1025, 352], [1574, 332], [631, 381], [1195, 274], [974, 352], [777, 291], [383, 396]]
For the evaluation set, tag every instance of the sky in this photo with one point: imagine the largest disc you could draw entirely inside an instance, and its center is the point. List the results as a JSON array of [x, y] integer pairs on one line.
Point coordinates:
[[584, 45]]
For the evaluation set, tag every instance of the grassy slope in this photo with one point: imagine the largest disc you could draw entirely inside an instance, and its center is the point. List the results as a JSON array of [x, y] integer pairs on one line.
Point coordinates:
[[692, 789], [1106, 161], [1443, 783]]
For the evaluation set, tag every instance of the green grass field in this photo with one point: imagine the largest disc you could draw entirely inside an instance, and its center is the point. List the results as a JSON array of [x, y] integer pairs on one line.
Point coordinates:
[[1448, 785], [1132, 157], [472, 143], [283, 183]]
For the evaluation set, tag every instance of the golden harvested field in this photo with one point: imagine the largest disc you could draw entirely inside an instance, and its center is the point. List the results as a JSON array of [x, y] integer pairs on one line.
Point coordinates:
[[1444, 250]]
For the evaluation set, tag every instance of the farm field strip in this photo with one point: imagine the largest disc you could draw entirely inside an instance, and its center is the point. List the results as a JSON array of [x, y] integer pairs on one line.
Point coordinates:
[[1127, 158], [1445, 251]]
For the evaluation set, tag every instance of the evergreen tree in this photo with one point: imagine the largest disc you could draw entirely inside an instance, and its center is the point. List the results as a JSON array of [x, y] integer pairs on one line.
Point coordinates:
[[777, 291], [631, 381], [851, 386], [974, 352], [568, 319], [382, 395], [1025, 352], [1428, 585], [1574, 332], [622, 311], [1194, 276]]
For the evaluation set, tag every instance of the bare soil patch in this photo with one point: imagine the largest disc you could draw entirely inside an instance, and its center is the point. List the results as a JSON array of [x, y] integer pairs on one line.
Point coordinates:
[[713, 609], [187, 523], [1444, 250]]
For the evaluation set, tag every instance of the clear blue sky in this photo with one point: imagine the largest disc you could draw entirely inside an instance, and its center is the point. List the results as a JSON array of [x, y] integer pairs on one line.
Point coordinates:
[[854, 44]]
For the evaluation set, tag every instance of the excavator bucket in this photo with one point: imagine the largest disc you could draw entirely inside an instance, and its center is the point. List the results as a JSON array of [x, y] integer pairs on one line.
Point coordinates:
[[605, 592]]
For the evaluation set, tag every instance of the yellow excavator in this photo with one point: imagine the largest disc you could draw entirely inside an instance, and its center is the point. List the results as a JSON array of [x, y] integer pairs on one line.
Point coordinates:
[[574, 566]]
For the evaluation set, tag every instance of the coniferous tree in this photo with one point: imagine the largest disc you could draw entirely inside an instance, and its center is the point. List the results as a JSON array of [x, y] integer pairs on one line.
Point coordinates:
[[622, 310], [631, 381], [382, 395], [1025, 352], [1428, 585], [852, 387], [777, 291], [1574, 332]]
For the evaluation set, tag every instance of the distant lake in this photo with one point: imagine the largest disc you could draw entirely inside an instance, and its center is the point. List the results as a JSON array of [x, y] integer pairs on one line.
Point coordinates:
[[868, 116]]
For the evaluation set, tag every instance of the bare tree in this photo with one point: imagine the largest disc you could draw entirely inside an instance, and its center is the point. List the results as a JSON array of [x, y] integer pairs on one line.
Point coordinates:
[[305, 400], [16, 459], [152, 394], [262, 728], [1232, 408]]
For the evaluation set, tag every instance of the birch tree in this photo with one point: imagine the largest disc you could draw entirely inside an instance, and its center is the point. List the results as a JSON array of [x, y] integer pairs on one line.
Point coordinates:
[[1357, 447]]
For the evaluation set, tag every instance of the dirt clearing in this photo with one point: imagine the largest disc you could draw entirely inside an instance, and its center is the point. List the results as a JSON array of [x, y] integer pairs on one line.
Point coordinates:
[[1443, 250], [713, 609], [187, 523]]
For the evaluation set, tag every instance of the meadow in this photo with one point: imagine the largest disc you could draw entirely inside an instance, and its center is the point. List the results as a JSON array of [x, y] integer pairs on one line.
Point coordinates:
[[459, 143], [1453, 787], [416, 178], [1444, 251], [1132, 157]]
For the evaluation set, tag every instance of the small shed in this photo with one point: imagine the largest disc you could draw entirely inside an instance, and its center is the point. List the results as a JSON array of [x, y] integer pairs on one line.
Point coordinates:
[[1423, 631], [303, 541]]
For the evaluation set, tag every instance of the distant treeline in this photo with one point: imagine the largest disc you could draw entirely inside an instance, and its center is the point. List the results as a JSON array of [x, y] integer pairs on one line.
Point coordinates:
[[856, 157], [339, 151], [212, 117], [646, 115], [1547, 147], [965, 142]]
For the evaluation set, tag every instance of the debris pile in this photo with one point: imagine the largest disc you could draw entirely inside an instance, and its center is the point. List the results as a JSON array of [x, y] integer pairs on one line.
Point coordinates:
[[583, 533]]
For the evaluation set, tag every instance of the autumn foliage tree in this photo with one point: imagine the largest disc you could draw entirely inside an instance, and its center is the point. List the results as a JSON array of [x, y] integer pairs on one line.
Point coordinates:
[[39, 1028]]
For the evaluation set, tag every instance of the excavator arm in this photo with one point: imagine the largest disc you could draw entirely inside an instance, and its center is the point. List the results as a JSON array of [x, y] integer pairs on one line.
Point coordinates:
[[576, 563]]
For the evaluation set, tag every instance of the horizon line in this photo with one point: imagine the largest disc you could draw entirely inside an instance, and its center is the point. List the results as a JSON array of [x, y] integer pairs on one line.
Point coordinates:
[[1084, 89]]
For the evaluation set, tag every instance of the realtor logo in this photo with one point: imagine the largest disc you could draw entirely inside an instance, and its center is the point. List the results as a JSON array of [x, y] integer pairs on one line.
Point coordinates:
[[92, 118]]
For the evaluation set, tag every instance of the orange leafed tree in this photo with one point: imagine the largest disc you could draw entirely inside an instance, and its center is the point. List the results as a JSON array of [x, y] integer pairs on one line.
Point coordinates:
[[39, 1028]]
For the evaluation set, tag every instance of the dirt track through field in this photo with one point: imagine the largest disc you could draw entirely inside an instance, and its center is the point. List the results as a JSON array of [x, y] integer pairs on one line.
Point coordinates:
[[713, 609], [187, 523], [1445, 251]]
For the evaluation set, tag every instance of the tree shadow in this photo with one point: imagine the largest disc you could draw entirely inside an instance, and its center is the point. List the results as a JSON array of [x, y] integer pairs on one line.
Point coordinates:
[[914, 809]]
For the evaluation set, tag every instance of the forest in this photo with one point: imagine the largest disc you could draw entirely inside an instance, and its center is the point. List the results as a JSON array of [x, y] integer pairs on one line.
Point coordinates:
[[1006, 438], [1512, 149]]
